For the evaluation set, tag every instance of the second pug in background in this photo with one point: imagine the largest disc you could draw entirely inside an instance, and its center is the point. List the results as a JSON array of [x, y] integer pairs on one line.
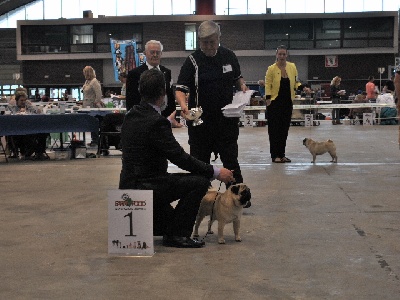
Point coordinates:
[[319, 148]]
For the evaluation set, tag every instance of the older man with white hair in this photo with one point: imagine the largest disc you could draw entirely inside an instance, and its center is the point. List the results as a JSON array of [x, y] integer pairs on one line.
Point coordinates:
[[153, 52], [208, 75]]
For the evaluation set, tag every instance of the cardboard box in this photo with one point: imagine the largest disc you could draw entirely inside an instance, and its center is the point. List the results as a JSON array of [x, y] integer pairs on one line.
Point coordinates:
[[62, 153], [80, 152]]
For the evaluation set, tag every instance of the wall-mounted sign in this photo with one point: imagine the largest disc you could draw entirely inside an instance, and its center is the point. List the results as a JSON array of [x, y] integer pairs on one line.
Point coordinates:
[[331, 61]]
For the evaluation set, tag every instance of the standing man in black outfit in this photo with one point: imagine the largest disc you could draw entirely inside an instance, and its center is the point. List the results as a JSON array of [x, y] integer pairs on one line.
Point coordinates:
[[217, 70], [153, 52], [147, 145]]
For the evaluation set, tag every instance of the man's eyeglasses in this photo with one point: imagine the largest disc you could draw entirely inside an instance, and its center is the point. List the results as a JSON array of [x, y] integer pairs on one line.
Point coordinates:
[[155, 52]]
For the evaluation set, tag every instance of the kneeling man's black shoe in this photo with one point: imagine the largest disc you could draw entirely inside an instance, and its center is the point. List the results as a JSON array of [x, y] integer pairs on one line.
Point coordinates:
[[181, 242]]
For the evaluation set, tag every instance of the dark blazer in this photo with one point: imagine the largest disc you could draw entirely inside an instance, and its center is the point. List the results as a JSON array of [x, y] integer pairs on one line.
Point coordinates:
[[132, 88], [147, 145]]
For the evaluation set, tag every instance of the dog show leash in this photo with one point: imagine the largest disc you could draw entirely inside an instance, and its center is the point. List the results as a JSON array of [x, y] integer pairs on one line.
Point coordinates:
[[212, 211]]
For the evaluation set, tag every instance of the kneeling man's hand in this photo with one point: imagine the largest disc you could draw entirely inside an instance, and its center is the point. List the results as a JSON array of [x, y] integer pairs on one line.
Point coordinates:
[[225, 175]]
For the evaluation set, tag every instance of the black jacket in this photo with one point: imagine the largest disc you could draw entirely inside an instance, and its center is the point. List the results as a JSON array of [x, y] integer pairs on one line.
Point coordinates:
[[147, 145], [132, 88]]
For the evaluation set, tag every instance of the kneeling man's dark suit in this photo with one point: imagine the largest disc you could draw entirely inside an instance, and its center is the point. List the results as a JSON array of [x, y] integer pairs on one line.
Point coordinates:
[[147, 145]]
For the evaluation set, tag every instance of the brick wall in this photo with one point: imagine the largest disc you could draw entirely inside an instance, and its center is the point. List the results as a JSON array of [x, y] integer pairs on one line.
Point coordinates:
[[170, 34]]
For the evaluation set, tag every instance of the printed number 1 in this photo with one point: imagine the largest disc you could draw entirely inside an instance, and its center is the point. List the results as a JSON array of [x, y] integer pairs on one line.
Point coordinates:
[[130, 225]]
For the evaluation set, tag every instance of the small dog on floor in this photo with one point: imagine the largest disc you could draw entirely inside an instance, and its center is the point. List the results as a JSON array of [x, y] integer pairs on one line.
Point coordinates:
[[319, 148], [224, 207]]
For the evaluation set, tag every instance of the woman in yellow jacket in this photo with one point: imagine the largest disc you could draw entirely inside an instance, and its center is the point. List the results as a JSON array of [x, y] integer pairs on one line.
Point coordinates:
[[280, 85]]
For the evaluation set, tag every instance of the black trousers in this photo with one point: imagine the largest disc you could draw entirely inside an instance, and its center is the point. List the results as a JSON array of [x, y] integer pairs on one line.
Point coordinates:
[[219, 135], [279, 115], [336, 111], [187, 188], [30, 143]]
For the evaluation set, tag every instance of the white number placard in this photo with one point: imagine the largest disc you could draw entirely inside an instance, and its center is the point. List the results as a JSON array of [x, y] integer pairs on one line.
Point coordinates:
[[248, 121], [367, 119], [130, 222], [308, 120]]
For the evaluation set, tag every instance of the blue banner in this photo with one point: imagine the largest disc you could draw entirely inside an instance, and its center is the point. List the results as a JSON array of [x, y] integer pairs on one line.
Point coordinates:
[[124, 56]]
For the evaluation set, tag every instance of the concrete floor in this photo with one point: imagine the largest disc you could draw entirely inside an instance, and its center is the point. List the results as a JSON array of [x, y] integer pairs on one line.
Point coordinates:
[[315, 231]]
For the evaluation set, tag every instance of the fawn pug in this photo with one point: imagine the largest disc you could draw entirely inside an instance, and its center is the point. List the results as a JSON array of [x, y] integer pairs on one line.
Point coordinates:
[[224, 207], [319, 148]]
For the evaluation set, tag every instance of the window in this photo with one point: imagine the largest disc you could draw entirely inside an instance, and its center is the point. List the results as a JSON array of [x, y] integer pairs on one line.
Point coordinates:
[[82, 38], [295, 34], [355, 28], [180, 7], [190, 37], [125, 8], [103, 33], [107, 8], [371, 32], [236, 7], [52, 9], [34, 11], [13, 16], [70, 9], [334, 6], [256, 7], [9, 90], [327, 29], [381, 28], [329, 33], [44, 39], [162, 7], [276, 6]]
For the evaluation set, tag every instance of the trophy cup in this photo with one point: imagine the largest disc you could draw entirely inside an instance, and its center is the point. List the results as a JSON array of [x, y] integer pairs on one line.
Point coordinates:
[[194, 115]]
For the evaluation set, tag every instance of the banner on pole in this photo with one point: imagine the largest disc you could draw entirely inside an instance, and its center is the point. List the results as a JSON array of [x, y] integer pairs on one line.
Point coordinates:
[[124, 56]]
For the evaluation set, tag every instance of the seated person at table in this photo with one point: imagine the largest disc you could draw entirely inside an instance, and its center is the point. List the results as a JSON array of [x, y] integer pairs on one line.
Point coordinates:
[[28, 144], [147, 145], [358, 112]]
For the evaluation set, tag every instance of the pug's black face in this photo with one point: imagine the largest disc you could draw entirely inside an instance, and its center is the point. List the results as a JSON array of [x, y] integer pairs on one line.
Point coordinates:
[[243, 191]]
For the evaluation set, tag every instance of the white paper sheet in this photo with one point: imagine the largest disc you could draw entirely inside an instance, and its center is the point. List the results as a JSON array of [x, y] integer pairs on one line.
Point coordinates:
[[239, 102]]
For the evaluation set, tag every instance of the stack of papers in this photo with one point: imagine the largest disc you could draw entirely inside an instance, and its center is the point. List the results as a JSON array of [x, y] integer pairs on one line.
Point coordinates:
[[240, 100]]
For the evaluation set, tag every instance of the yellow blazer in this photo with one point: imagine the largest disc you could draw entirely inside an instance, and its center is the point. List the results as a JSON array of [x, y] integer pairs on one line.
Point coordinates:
[[273, 80]]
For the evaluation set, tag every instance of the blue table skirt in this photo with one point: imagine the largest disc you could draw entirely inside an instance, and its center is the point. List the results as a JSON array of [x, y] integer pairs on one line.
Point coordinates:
[[30, 124]]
